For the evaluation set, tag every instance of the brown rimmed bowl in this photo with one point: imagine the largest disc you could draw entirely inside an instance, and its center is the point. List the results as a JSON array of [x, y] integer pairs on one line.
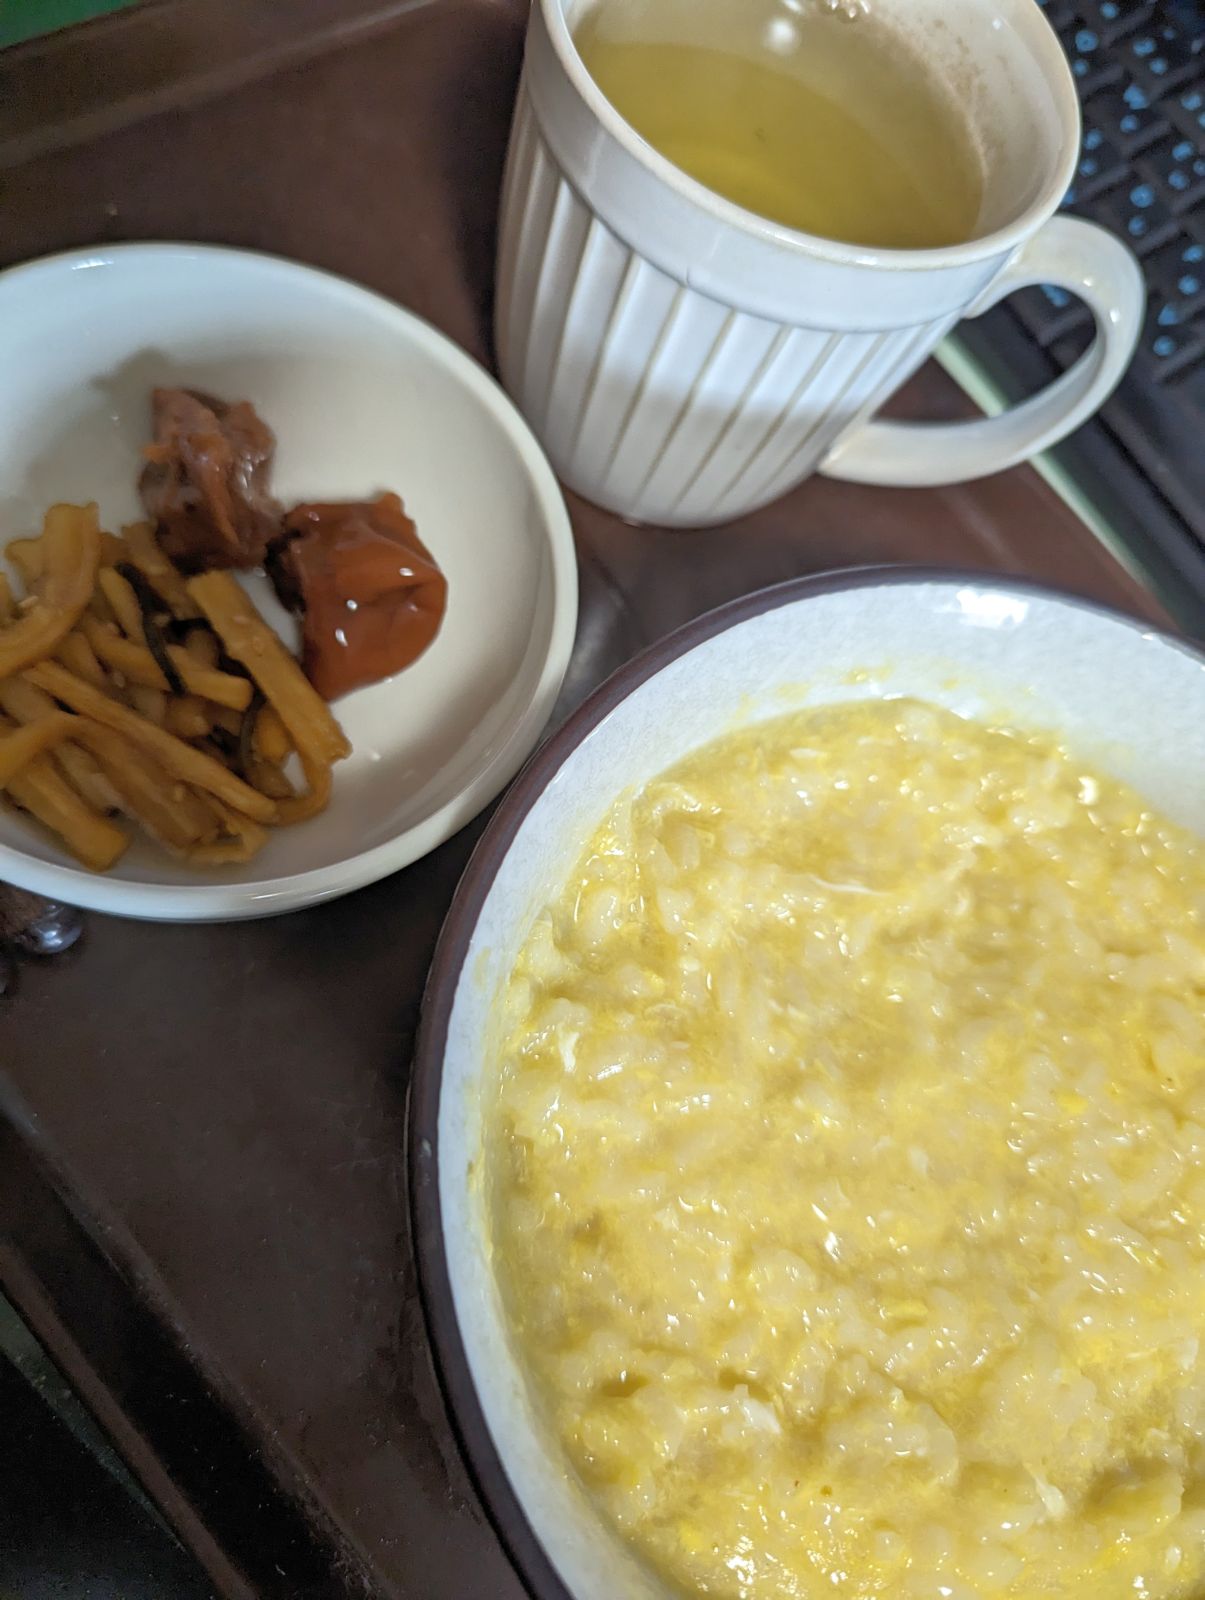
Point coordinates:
[[1128, 698]]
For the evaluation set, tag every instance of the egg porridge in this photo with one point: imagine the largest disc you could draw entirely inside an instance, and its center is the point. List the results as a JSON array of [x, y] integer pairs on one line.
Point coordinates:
[[847, 1169]]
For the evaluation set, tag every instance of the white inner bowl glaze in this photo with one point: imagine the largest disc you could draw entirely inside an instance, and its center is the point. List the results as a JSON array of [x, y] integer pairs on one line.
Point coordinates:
[[362, 397], [1130, 701]]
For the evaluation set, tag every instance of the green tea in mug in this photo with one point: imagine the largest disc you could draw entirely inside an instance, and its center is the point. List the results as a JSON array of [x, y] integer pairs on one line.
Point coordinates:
[[814, 117]]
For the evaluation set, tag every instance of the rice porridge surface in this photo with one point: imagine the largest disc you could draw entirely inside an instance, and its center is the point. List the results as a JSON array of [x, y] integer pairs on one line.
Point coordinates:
[[847, 1169]]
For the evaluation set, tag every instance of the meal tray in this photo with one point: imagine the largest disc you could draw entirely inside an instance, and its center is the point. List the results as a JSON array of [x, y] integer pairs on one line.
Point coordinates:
[[202, 1196]]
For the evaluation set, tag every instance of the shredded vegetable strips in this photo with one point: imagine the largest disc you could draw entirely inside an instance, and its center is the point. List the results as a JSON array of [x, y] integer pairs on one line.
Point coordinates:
[[18, 749], [71, 547], [305, 715], [249, 639], [130, 694], [178, 759]]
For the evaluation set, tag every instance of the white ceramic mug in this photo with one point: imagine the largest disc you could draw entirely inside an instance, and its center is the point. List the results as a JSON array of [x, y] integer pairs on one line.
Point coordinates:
[[684, 361]]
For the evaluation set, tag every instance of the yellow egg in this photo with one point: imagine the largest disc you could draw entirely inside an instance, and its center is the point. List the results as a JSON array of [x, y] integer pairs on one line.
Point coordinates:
[[847, 1169]]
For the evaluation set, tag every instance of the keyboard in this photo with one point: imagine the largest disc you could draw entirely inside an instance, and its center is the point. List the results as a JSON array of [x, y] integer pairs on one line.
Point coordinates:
[[1139, 66]]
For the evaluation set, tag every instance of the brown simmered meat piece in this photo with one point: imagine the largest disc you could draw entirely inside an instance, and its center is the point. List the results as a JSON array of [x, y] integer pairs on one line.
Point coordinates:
[[371, 595], [205, 480]]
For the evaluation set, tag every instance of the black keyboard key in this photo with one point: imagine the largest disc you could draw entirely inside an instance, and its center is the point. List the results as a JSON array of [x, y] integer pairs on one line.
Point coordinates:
[[1183, 45], [1125, 113], [1136, 213], [1189, 387], [1177, 169], [1113, 19], [1101, 165], [1092, 66], [1187, 112], [1164, 58], [1176, 275], [1169, 344], [1172, 344], [1050, 313]]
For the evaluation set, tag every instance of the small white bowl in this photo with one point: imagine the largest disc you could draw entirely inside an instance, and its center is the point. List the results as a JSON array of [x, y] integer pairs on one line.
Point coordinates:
[[362, 397], [1127, 698]]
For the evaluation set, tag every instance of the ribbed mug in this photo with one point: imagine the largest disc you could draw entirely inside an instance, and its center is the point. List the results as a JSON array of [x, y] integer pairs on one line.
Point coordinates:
[[684, 361]]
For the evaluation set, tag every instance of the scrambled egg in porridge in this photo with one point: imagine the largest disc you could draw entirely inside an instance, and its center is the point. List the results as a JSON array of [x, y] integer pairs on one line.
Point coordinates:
[[848, 1169]]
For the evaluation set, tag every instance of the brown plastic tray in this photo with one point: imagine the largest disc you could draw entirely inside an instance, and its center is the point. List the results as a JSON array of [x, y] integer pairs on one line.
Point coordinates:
[[202, 1201]]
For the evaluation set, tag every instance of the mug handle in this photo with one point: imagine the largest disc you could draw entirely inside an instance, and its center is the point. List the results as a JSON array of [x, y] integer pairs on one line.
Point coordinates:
[[1077, 256]]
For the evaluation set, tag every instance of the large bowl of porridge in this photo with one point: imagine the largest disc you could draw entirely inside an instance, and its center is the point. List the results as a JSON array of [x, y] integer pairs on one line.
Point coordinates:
[[808, 1121]]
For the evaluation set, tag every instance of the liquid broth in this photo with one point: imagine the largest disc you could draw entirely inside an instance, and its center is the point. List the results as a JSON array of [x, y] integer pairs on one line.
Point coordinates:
[[824, 123]]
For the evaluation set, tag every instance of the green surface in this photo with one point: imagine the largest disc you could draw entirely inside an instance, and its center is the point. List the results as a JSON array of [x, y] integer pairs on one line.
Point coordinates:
[[24, 19]]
